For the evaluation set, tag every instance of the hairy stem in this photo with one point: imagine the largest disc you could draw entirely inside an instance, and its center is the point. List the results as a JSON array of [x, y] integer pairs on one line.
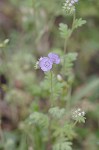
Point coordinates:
[[67, 38], [75, 123], [68, 104], [51, 88], [74, 17], [65, 45], [65, 50]]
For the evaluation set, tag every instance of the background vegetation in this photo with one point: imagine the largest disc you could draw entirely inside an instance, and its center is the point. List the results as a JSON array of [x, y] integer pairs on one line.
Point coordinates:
[[32, 28]]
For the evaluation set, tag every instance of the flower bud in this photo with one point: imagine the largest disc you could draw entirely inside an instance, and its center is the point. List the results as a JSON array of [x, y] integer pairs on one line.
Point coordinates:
[[59, 77]]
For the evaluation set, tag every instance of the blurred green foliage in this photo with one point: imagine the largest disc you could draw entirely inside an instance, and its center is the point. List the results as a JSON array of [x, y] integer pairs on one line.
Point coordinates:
[[37, 33]]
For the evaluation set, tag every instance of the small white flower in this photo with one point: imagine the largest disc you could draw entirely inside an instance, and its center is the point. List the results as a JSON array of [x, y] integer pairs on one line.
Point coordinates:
[[65, 4], [78, 113], [41, 58], [79, 109], [67, 1], [70, 4], [83, 113]]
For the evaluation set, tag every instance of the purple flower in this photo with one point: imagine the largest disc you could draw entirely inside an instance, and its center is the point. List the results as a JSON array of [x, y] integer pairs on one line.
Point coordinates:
[[54, 58], [45, 63]]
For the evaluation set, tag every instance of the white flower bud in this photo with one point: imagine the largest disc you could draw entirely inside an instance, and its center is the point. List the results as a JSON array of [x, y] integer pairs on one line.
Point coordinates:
[[59, 77], [79, 109]]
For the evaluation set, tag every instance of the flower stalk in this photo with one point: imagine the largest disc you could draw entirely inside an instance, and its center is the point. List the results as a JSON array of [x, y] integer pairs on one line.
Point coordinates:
[[51, 88]]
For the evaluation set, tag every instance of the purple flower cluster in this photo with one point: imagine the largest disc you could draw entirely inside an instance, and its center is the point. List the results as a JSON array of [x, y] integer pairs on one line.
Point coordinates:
[[46, 63]]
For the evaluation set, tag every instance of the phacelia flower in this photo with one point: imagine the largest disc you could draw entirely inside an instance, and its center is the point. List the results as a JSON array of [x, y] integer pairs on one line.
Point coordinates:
[[45, 63], [78, 115], [54, 58], [69, 6], [78, 112]]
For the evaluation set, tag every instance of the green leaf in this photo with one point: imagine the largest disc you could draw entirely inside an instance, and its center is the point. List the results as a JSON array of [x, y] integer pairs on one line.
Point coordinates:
[[78, 23], [67, 130], [56, 112], [88, 88], [39, 119], [69, 61], [56, 86], [62, 144], [64, 31]]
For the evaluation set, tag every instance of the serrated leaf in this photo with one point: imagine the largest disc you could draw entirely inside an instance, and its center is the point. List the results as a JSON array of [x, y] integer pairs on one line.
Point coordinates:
[[69, 61], [39, 119], [64, 31], [62, 144], [78, 23], [66, 130], [56, 112], [56, 86]]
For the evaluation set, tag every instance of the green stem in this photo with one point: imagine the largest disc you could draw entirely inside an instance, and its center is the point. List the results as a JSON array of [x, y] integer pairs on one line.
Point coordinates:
[[51, 88], [68, 104], [65, 45], [1, 133], [65, 49], [67, 38], [3, 58], [74, 17], [75, 123]]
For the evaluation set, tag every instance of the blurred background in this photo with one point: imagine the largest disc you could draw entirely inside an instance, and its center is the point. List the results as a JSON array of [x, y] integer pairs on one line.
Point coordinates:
[[32, 29]]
